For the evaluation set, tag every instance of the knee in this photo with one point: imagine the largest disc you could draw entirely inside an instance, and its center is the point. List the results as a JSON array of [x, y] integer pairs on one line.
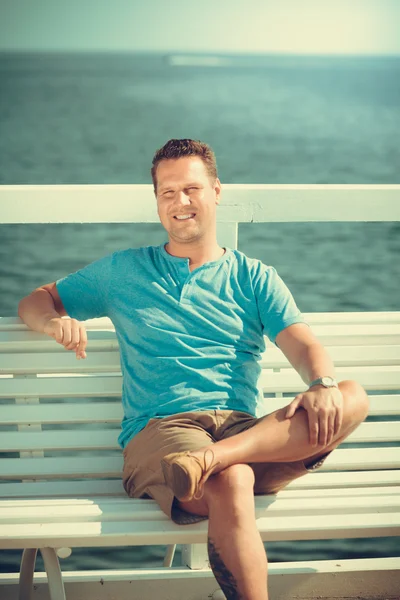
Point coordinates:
[[356, 401], [234, 479]]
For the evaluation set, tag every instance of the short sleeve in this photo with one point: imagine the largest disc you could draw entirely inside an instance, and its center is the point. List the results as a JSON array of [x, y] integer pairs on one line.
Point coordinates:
[[85, 293], [276, 305]]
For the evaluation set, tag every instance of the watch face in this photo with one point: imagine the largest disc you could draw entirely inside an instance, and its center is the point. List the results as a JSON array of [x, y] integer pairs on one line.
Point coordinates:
[[327, 381]]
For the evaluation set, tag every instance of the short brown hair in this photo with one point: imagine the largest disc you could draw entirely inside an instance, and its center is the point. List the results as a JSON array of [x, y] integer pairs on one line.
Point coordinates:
[[178, 148]]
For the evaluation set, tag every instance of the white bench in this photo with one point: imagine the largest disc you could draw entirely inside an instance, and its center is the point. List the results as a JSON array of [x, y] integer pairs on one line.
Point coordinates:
[[60, 488]]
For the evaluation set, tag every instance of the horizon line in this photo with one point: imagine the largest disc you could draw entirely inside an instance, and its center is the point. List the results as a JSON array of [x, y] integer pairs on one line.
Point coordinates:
[[190, 52]]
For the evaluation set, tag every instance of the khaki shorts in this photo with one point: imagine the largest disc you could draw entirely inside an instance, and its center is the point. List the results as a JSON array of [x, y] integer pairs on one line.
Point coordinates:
[[142, 474]]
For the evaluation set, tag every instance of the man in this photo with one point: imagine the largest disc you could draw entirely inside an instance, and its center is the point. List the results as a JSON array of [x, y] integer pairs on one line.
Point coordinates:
[[190, 318]]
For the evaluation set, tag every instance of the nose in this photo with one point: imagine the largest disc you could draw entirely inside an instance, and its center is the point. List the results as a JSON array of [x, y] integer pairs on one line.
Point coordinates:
[[183, 198]]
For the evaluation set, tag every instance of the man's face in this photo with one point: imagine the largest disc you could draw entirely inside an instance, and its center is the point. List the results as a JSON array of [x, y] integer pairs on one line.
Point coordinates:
[[184, 188]]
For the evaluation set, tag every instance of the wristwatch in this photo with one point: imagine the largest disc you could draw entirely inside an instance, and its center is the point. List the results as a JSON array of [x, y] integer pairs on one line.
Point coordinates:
[[325, 381]]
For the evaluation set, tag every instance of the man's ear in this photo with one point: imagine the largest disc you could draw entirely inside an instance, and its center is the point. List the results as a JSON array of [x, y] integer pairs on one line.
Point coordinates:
[[218, 189]]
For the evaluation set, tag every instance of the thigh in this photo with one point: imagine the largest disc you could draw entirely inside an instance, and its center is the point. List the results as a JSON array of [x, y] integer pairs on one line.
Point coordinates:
[[143, 454]]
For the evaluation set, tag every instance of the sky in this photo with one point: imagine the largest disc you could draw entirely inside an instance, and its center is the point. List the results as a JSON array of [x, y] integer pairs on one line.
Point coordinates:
[[231, 26]]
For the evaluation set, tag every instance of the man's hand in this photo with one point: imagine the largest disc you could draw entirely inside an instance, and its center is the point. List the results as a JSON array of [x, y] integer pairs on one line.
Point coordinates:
[[324, 408], [70, 333]]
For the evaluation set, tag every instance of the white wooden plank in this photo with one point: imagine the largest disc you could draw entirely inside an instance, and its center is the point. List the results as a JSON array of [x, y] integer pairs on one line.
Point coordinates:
[[345, 334], [165, 531], [340, 579], [345, 580], [300, 495], [380, 404], [317, 482], [352, 459], [345, 479], [61, 387], [61, 467], [104, 323], [52, 488], [123, 509], [342, 356], [287, 380], [106, 439], [67, 413], [59, 362], [371, 378], [129, 203], [31, 341], [112, 412], [314, 318]]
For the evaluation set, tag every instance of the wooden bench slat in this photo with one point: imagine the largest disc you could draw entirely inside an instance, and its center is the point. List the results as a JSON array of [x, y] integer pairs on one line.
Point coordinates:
[[59, 362], [372, 378], [380, 404], [300, 495], [320, 481], [342, 356], [62, 387], [121, 509], [112, 412], [165, 531], [31, 341], [99, 362], [349, 317], [111, 466], [104, 439]]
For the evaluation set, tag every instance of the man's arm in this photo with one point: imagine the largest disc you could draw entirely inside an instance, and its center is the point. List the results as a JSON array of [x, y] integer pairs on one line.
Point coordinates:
[[305, 352], [42, 304], [43, 310], [324, 406]]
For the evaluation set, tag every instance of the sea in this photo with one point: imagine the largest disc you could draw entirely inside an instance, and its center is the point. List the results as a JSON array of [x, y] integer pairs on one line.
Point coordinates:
[[82, 118]]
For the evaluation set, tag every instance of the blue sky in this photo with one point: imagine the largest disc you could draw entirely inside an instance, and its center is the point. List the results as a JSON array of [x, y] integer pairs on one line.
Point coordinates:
[[283, 26]]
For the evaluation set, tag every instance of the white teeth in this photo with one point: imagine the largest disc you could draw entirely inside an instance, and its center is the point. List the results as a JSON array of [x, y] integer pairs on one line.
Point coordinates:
[[184, 216]]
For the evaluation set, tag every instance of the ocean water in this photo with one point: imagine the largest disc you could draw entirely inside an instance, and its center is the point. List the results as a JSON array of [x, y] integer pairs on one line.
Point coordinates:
[[99, 118]]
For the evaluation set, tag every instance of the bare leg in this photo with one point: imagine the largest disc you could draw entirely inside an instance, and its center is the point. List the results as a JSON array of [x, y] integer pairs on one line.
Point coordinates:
[[277, 439], [235, 549]]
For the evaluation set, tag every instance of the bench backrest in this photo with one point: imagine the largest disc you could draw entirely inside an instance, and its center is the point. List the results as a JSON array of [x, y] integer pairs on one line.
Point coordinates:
[[60, 417]]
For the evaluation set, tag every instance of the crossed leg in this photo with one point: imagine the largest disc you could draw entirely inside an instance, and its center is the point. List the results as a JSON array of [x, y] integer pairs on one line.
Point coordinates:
[[236, 552]]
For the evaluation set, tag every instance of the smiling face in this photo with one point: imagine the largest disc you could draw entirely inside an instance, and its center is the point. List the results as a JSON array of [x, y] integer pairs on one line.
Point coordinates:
[[184, 188]]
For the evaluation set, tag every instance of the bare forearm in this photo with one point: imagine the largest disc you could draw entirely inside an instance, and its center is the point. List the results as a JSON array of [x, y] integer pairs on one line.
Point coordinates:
[[36, 309], [315, 362]]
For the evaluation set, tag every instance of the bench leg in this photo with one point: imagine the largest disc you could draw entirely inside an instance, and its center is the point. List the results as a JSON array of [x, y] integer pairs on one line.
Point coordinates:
[[169, 555], [54, 576], [27, 569]]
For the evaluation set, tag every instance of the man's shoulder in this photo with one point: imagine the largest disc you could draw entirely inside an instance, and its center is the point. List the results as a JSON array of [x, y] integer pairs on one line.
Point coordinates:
[[132, 254], [248, 264]]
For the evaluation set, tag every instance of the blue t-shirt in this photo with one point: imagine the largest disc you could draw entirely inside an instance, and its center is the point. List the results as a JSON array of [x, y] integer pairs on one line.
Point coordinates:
[[188, 341]]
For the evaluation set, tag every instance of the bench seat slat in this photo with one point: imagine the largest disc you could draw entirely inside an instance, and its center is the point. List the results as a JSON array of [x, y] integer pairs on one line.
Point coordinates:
[[320, 481], [112, 412], [121, 509], [300, 495], [165, 531], [356, 459], [106, 439]]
